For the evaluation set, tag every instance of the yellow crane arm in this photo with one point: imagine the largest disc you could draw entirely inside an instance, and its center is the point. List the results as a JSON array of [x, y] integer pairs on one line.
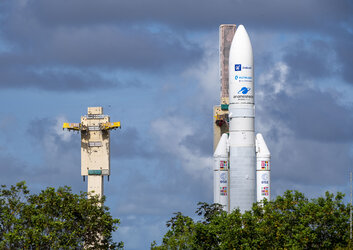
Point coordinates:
[[72, 126], [103, 126], [110, 125]]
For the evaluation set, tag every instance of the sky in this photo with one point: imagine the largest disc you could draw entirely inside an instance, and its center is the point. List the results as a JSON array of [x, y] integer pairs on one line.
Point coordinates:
[[153, 65]]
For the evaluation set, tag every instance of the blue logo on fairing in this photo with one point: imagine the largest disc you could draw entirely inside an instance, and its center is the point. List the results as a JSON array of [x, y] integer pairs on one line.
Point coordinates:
[[237, 67], [236, 77], [265, 177], [244, 90], [223, 178]]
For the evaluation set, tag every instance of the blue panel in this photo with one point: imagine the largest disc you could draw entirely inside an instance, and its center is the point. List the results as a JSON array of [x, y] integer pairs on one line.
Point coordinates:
[[94, 172]]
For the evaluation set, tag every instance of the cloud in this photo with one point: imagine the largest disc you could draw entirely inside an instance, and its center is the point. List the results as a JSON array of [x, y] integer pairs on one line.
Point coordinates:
[[307, 130], [52, 79], [56, 46], [172, 133], [344, 51], [129, 143], [102, 47], [303, 108], [315, 115], [309, 59], [274, 81], [60, 154], [198, 14], [312, 167], [82, 58], [205, 73], [326, 164]]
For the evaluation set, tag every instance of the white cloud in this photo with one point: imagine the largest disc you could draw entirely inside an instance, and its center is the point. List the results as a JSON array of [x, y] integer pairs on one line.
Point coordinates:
[[206, 72], [170, 133], [275, 78], [58, 128]]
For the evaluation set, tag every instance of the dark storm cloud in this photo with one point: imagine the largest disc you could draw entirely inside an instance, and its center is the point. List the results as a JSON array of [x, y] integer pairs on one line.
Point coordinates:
[[102, 47], [312, 58], [200, 142], [21, 76], [309, 59], [310, 140], [86, 36], [344, 50], [304, 162], [69, 57], [128, 143], [40, 128], [314, 115], [195, 14], [310, 167], [308, 130]]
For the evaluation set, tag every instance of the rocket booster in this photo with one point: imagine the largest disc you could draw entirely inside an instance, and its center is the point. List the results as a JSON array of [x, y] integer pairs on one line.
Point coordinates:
[[263, 161], [220, 173]]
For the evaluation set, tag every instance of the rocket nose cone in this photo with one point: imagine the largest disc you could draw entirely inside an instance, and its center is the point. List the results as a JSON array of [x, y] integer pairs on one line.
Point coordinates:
[[241, 28], [241, 32], [241, 42]]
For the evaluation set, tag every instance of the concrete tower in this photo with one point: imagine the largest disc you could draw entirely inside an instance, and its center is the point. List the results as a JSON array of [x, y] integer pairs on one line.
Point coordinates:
[[95, 147]]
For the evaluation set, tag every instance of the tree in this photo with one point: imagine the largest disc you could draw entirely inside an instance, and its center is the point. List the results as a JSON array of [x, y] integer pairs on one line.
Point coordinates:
[[290, 221], [54, 219]]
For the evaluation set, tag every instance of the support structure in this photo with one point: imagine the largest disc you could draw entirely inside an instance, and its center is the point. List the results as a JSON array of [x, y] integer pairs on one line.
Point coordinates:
[[95, 147], [220, 112]]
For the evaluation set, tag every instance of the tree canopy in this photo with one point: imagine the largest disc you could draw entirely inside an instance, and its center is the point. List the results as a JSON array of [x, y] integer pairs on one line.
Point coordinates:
[[54, 219], [290, 221]]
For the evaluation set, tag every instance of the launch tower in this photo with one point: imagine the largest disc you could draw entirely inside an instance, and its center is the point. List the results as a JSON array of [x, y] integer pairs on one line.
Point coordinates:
[[95, 147]]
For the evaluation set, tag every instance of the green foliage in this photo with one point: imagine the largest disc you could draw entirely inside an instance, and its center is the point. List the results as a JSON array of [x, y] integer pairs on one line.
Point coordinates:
[[289, 222], [54, 219]]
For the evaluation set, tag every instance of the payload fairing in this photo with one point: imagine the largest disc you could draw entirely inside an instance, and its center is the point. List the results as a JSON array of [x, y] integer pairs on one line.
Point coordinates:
[[241, 160]]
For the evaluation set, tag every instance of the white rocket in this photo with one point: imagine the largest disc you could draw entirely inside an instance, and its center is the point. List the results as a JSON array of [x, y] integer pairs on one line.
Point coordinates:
[[247, 156]]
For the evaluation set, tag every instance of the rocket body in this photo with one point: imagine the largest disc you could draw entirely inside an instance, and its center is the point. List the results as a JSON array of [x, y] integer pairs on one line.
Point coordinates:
[[241, 124], [248, 156]]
